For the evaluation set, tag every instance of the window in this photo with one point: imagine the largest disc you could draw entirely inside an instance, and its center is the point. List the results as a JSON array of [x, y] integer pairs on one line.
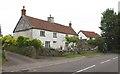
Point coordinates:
[[47, 44], [54, 35], [80, 37], [66, 34], [54, 41], [42, 33]]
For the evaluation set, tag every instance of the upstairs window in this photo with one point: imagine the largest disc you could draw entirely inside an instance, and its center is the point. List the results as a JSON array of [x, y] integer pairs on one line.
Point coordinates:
[[66, 34], [54, 35], [42, 33]]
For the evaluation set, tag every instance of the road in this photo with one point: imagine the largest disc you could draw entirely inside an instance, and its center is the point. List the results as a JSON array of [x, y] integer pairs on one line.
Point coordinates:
[[103, 63], [98, 63]]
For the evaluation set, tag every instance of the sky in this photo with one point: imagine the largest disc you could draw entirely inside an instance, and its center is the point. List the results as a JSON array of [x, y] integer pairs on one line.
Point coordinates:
[[84, 14]]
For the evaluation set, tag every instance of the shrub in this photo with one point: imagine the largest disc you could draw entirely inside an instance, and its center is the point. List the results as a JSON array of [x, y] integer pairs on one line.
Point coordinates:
[[92, 43], [7, 41], [99, 41], [36, 43], [22, 41], [21, 45]]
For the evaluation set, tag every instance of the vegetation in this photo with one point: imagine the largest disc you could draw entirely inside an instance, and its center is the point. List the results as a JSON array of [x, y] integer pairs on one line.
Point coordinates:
[[79, 55], [21, 45], [71, 40], [110, 29], [99, 41]]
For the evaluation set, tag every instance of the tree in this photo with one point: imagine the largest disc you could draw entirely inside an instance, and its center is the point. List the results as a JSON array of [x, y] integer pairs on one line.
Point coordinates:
[[118, 33], [7, 41], [109, 27], [72, 40]]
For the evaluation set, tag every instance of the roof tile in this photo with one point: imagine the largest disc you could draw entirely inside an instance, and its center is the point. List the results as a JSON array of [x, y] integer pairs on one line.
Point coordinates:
[[46, 25]]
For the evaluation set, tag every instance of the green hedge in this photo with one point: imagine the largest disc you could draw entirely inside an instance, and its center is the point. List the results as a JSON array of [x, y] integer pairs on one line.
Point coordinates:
[[20, 44]]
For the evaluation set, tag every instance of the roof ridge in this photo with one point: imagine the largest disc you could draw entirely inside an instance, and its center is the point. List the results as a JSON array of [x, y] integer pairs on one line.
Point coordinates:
[[87, 31]]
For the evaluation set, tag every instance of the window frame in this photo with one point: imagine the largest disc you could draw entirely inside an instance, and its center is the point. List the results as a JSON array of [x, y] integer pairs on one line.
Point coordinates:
[[54, 41], [54, 35], [42, 33]]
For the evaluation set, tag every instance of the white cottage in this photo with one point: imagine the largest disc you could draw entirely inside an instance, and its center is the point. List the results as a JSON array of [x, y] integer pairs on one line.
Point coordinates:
[[87, 35], [50, 33]]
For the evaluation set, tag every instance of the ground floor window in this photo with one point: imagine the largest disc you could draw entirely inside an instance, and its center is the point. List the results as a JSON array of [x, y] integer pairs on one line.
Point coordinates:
[[47, 44], [54, 41]]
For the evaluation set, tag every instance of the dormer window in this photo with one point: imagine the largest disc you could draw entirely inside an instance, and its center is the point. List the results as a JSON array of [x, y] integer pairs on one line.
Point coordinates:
[[54, 35]]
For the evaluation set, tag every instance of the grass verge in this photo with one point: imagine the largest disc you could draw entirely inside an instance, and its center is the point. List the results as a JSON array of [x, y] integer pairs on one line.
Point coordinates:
[[79, 55]]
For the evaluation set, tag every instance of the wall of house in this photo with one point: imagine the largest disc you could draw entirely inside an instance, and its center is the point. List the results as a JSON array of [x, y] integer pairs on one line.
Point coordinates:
[[82, 36], [60, 40], [26, 33]]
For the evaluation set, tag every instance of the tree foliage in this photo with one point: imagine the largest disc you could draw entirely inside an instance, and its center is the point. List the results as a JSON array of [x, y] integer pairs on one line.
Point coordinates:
[[109, 27], [71, 39], [21, 41], [7, 41]]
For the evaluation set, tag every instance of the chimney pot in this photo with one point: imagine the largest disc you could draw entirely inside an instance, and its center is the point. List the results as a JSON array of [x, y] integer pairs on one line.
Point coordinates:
[[23, 11], [70, 24]]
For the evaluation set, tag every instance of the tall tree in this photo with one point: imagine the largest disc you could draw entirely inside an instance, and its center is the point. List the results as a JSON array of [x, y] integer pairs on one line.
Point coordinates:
[[109, 27], [118, 33]]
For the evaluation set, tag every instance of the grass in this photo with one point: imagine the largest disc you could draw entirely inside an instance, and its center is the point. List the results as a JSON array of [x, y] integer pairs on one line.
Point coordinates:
[[79, 55]]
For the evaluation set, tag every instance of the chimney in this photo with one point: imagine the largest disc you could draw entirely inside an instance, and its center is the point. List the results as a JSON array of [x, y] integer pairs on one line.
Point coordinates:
[[51, 19], [70, 24], [23, 11]]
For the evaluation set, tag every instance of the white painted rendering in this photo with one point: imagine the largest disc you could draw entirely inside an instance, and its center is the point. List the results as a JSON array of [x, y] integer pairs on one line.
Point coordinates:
[[35, 33], [26, 33], [60, 40], [82, 36]]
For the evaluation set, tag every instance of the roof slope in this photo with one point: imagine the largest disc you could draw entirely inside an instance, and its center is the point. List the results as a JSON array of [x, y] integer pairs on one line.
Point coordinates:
[[46, 25], [89, 34]]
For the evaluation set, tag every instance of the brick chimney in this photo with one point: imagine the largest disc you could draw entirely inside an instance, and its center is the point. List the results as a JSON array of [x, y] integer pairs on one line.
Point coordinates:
[[70, 24], [23, 11], [51, 19]]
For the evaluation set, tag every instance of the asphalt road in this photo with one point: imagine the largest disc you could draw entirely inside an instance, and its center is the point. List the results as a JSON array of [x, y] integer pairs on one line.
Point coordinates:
[[102, 63]]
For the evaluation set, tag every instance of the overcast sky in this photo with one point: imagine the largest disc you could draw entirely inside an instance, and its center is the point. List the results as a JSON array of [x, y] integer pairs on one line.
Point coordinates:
[[84, 14]]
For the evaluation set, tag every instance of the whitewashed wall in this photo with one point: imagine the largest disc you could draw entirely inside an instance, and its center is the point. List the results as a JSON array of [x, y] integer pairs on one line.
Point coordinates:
[[27, 33], [49, 37], [35, 33], [81, 35]]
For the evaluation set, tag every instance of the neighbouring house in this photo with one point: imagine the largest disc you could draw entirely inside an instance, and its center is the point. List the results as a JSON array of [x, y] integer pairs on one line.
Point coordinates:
[[87, 35], [50, 33]]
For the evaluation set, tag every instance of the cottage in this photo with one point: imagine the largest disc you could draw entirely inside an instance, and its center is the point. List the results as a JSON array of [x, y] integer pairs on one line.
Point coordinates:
[[87, 35], [50, 33]]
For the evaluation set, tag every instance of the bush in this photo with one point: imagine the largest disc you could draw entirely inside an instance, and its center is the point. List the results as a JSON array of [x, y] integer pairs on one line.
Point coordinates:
[[23, 41], [92, 43], [99, 41], [21, 45], [36, 43], [7, 41]]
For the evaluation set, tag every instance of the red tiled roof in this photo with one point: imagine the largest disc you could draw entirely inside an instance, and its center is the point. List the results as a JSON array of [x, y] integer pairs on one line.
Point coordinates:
[[46, 25], [89, 34]]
